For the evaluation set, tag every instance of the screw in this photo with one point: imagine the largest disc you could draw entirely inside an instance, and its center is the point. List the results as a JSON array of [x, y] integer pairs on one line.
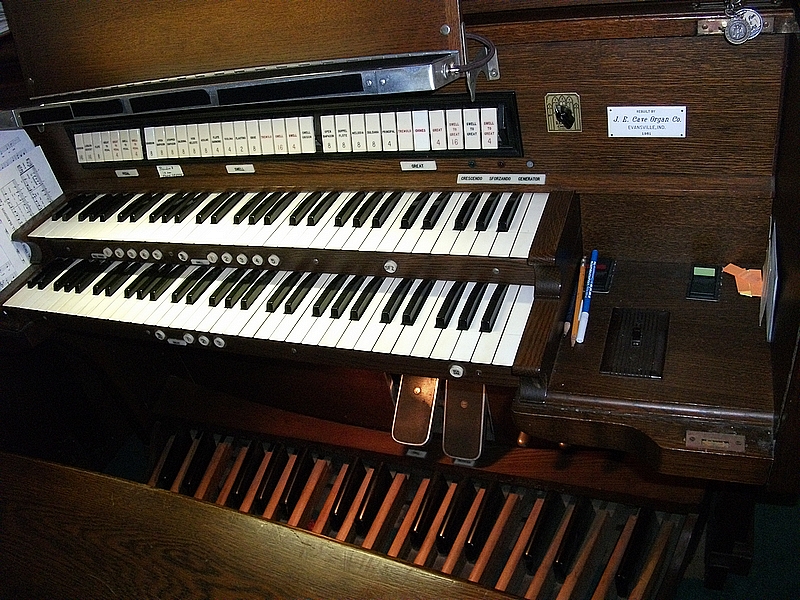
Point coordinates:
[[445, 29]]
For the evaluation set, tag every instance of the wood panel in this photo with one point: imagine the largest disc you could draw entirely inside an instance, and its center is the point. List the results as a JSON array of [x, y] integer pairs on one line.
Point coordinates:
[[70, 533], [716, 379], [112, 43]]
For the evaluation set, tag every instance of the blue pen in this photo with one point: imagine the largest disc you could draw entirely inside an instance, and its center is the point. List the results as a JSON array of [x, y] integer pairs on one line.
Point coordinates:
[[587, 299]]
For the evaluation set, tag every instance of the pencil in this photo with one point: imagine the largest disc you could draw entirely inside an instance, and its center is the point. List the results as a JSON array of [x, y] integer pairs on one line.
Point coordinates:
[[578, 299]]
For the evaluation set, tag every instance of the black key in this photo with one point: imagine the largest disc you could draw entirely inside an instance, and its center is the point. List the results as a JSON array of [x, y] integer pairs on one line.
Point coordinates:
[[90, 276], [240, 288], [166, 281], [87, 267], [414, 210], [199, 463], [72, 207], [495, 303], [210, 207], [467, 209], [579, 523], [279, 295], [188, 283], [386, 208], [635, 552], [416, 303], [543, 531], [454, 516], [305, 206], [190, 205], [175, 457], [262, 209], [177, 203], [142, 200], [485, 216], [202, 285], [100, 206], [395, 300], [301, 471], [378, 487], [115, 272], [431, 501], [247, 472], [435, 211], [347, 493], [348, 209], [159, 211], [226, 207], [130, 271], [273, 472], [249, 206], [362, 216], [153, 282], [448, 308], [278, 207], [488, 511], [509, 210], [346, 296], [322, 207], [141, 281], [299, 294], [116, 202], [92, 208], [48, 273], [224, 288], [64, 282], [142, 209], [471, 307], [365, 298], [327, 295], [252, 294]]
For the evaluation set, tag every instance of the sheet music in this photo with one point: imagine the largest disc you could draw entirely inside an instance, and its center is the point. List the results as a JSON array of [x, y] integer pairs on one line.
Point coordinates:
[[27, 186], [14, 144]]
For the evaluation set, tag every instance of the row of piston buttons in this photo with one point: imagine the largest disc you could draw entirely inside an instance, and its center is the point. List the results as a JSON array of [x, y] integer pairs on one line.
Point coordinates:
[[133, 254], [212, 257], [189, 338]]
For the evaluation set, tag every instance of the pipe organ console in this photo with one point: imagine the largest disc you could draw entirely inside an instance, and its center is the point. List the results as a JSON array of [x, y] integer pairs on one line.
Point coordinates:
[[339, 288]]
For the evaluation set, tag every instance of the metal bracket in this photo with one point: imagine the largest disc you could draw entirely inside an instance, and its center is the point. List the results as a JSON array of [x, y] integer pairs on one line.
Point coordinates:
[[717, 26], [485, 62]]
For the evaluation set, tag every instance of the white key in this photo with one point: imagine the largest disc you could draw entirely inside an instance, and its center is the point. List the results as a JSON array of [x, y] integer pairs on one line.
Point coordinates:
[[392, 331], [374, 328], [466, 238], [447, 237], [409, 237], [430, 333], [260, 314], [487, 344], [512, 336], [430, 237], [376, 236], [530, 224], [504, 240], [326, 228], [357, 329], [300, 330], [337, 328], [350, 237], [468, 339], [485, 239], [303, 311], [321, 324], [448, 338], [411, 333]]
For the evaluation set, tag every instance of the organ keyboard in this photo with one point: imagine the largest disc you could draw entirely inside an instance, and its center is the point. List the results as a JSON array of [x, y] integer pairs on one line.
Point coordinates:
[[347, 275]]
